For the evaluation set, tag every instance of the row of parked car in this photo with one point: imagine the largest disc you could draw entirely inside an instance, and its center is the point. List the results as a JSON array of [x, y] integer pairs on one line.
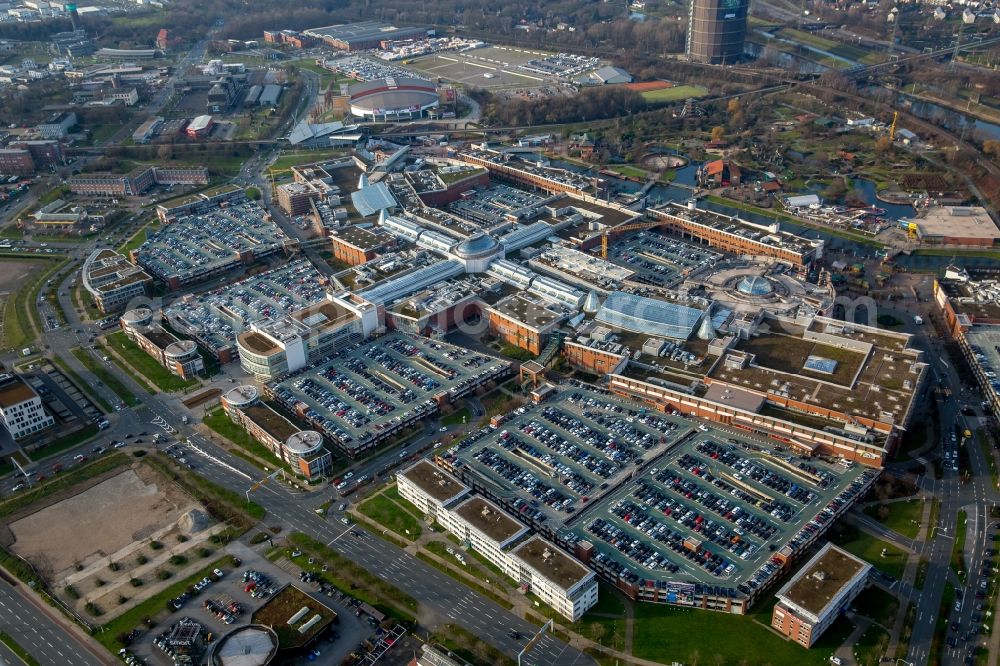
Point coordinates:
[[745, 467], [257, 585], [730, 511], [570, 477], [398, 392], [698, 523], [814, 528], [226, 610], [726, 509], [518, 476], [405, 370], [597, 465]]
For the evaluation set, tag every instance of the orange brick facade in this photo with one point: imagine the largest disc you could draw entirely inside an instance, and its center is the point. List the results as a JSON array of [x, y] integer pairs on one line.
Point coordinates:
[[516, 333], [597, 361], [350, 254], [791, 625]]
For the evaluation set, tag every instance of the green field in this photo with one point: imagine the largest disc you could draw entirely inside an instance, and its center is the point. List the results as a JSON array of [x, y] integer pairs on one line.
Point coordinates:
[[958, 546], [137, 239], [104, 375], [391, 515], [669, 634], [903, 518], [869, 548], [146, 365], [629, 172], [287, 160], [673, 94]]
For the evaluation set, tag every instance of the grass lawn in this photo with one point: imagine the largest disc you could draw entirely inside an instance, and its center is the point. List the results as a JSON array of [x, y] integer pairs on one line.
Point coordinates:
[[137, 239], [146, 365], [879, 605], [391, 515], [903, 518], [629, 172], [673, 94], [605, 622], [667, 634], [156, 604], [456, 418], [105, 376], [871, 646], [958, 547], [869, 548], [287, 160]]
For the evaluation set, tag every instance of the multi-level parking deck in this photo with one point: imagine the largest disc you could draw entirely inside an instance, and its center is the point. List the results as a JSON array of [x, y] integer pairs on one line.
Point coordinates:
[[373, 391], [216, 317], [197, 247], [668, 510]]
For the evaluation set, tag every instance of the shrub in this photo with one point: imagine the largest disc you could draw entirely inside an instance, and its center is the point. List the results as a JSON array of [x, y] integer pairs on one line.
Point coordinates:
[[93, 609], [113, 566], [163, 574], [142, 559], [260, 537], [71, 592], [178, 560], [136, 582], [155, 545], [182, 538], [122, 599], [99, 582], [203, 551]]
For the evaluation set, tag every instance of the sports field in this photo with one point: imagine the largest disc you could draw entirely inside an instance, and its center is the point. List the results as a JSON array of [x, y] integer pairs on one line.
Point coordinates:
[[673, 94]]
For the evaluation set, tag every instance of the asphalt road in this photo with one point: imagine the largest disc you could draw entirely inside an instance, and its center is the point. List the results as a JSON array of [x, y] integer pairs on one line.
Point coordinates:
[[46, 640]]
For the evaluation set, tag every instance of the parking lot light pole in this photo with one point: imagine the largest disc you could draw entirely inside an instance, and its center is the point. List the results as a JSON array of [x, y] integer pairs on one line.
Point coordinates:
[[534, 641]]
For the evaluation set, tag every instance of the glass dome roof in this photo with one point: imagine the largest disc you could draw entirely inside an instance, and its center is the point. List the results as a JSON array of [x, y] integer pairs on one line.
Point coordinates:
[[478, 244], [754, 285]]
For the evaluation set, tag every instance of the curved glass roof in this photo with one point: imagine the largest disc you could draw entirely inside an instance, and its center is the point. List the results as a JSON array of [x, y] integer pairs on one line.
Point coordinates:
[[475, 245], [754, 285], [648, 315]]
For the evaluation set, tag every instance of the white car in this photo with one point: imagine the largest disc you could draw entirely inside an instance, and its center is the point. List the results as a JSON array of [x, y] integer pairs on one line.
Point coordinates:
[[218, 573]]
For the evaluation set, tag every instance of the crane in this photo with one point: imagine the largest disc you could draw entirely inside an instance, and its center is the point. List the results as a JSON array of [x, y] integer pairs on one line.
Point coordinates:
[[892, 128], [634, 226]]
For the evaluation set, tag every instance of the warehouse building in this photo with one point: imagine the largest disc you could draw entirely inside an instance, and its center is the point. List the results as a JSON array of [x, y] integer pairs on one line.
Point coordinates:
[[955, 225], [363, 35]]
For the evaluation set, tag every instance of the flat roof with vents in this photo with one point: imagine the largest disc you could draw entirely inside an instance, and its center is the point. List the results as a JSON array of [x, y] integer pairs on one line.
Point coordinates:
[[819, 582], [435, 482], [489, 519], [550, 563]]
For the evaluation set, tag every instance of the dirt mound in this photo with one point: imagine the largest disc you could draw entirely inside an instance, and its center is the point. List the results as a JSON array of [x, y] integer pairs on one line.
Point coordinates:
[[194, 521]]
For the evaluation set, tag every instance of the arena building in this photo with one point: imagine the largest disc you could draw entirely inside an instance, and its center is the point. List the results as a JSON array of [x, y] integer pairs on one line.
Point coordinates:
[[402, 98]]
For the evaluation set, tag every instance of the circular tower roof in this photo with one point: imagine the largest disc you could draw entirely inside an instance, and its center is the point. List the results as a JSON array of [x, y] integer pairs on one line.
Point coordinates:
[[241, 396], [304, 441], [180, 349], [138, 317]]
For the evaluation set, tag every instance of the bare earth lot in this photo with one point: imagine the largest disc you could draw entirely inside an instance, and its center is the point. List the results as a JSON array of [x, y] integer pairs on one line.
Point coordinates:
[[96, 523], [14, 272]]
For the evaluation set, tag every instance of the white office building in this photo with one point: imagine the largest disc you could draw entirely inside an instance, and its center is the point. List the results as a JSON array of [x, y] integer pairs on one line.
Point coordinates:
[[21, 408]]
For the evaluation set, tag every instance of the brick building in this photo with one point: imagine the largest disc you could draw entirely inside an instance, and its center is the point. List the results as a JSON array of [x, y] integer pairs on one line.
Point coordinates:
[[354, 245], [818, 594]]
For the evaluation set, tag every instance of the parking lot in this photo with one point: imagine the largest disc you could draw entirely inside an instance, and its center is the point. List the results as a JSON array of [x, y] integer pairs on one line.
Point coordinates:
[[658, 497], [203, 607], [216, 317], [660, 260], [199, 245], [488, 207], [380, 387]]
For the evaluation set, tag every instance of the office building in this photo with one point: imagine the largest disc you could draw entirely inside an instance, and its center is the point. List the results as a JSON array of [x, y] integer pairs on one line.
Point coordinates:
[[112, 280], [56, 126], [562, 582], [44, 153], [180, 357], [303, 450], [810, 602], [15, 162], [21, 408]]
